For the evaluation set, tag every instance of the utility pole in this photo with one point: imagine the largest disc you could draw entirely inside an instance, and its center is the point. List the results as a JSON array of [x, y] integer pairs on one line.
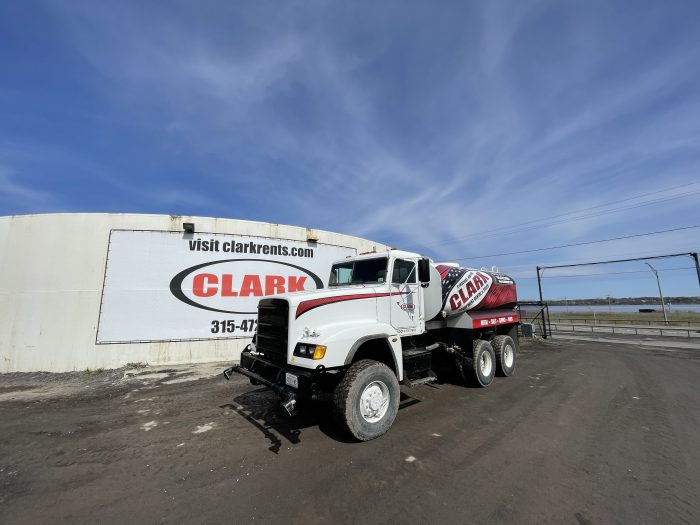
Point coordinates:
[[661, 295], [694, 255], [609, 305]]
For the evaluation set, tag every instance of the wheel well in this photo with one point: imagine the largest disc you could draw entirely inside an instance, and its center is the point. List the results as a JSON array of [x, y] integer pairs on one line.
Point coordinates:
[[510, 330], [377, 350]]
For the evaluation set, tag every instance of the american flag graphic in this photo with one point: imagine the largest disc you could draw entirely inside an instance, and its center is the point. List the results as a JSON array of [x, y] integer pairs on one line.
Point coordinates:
[[450, 276]]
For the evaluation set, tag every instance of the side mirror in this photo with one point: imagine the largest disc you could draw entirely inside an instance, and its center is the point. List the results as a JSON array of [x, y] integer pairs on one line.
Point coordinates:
[[424, 271]]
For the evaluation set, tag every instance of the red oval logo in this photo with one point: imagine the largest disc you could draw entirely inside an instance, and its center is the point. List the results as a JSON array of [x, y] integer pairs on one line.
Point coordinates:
[[236, 285]]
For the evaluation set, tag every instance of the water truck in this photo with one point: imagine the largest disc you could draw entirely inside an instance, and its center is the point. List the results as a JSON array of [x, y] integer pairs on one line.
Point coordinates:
[[385, 319]]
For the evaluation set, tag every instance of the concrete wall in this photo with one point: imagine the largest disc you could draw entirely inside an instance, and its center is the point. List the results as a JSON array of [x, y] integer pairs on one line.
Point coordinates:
[[52, 269]]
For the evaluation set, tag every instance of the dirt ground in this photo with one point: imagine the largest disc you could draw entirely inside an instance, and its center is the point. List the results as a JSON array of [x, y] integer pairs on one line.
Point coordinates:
[[585, 432]]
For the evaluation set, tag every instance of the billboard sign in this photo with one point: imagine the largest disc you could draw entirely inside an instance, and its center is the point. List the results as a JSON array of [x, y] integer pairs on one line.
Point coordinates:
[[172, 286]]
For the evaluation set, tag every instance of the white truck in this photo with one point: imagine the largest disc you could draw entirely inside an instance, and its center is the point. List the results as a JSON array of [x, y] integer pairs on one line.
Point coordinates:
[[385, 319]]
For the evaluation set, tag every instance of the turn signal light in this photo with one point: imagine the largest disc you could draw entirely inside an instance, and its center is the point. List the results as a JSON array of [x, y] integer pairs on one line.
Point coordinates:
[[320, 352]]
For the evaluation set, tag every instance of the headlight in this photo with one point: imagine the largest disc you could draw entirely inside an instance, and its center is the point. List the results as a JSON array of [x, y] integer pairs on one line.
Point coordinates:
[[310, 351]]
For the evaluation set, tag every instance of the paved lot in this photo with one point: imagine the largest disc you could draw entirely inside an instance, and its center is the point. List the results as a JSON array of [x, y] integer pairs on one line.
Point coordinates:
[[585, 432]]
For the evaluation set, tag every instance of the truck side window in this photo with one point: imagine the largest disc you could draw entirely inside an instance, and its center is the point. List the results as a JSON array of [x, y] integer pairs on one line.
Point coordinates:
[[403, 270], [363, 271]]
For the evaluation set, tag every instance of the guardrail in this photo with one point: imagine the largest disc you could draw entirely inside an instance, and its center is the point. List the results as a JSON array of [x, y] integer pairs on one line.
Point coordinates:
[[689, 332], [647, 322]]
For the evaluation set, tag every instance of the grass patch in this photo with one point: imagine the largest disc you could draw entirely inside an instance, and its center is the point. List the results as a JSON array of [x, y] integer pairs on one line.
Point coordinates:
[[674, 318]]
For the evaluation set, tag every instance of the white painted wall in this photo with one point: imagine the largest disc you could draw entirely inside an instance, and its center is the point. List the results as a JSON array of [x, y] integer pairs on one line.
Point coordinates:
[[51, 277]]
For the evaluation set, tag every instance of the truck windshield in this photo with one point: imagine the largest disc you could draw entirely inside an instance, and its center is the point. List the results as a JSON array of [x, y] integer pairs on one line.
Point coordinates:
[[359, 272]]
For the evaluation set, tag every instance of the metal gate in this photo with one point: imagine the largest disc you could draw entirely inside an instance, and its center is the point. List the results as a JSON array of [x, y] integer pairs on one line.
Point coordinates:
[[537, 314]]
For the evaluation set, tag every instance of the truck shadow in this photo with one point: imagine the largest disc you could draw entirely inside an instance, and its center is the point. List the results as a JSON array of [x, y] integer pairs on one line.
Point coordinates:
[[261, 408]]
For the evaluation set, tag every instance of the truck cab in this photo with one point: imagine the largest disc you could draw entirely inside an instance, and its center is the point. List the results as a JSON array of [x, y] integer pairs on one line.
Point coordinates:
[[373, 297]]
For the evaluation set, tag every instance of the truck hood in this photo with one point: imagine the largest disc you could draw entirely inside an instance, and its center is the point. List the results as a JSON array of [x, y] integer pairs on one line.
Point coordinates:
[[298, 301]]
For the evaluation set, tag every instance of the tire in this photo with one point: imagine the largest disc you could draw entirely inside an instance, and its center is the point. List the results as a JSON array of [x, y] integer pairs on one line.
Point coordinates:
[[481, 368], [506, 354], [366, 401]]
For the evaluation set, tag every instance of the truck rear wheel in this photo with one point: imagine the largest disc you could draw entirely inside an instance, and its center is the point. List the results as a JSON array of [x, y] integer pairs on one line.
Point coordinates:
[[366, 401], [504, 347], [482, 367]]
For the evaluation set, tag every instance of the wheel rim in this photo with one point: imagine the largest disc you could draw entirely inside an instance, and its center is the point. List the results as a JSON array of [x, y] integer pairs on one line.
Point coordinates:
[[374, 401], [485, 364], [508, 356]]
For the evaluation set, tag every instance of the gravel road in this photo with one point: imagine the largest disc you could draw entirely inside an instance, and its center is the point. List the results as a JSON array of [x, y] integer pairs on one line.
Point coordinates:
[[585, 432]]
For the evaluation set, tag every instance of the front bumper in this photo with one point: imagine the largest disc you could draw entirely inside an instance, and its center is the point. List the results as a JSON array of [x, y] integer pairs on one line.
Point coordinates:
[[273, 375]]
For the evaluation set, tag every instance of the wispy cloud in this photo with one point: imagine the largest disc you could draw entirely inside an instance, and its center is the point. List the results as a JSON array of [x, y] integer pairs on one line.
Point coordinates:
[[418, 125], [13, 192]]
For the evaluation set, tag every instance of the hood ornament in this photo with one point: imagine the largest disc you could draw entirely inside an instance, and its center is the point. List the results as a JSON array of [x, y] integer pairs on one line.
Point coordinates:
[[310, 333]]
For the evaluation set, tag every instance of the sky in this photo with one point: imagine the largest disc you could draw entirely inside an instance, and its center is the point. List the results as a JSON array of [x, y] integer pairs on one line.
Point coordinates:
[[463, 130]]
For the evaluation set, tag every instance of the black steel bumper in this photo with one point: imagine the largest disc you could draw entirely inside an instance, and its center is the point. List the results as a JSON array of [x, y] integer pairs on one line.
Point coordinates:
[[273, 376]]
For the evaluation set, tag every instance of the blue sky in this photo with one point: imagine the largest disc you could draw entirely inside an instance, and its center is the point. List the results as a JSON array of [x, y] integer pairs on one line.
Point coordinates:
[[457, 129]]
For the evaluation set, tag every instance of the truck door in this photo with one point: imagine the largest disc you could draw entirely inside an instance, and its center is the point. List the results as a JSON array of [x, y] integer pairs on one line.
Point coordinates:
[[406, 315]]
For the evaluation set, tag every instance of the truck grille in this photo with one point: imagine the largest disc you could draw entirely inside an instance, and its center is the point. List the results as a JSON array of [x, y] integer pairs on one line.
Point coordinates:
[[273, 323]]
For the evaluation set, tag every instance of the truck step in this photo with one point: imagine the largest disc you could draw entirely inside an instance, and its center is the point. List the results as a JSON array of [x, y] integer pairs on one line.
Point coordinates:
[[414, 351], [420, 350], [429, 378]]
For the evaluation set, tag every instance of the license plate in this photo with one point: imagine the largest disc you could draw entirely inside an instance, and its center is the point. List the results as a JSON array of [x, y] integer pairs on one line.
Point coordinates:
[[291, 380]]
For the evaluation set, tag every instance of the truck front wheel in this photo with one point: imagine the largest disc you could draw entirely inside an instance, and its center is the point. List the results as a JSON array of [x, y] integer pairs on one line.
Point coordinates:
[[366, 401]]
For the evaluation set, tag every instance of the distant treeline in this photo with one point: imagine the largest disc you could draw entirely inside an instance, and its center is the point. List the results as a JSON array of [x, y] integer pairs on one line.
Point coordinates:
[[626, 300]]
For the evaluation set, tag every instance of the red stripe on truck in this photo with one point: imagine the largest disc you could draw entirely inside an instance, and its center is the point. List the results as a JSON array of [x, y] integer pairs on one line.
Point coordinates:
[[305, 306]]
